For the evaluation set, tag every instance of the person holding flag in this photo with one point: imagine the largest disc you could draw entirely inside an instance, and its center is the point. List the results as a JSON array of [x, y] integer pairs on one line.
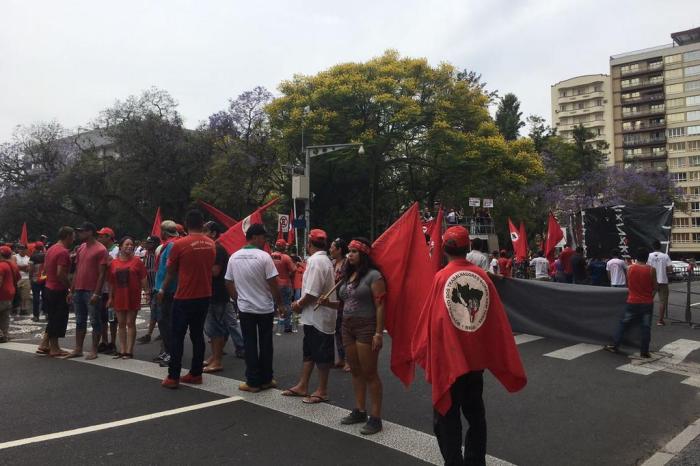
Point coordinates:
[[463, 330]]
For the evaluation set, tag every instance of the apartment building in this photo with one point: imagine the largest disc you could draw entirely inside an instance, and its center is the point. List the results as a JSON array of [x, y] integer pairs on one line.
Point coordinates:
[[656, 112], [584, 100]]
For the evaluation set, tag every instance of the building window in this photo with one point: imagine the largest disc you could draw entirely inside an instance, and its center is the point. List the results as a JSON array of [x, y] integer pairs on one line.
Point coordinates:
[[695, 222], [692, 70], [691, 86], [675, 117], [674, 89], [681, 222], [690, 56], [693, 130], [692, 100], [679, 177], [657, 107], [680, 238], [637, 151], [693, 145], [692, 116], [694, 160], [693, 176], [674, 74], [628, 68], [675, 132], [630, 109], [694, 191], [654, 65], [675, 103], [630, 82], [673, 58], [679, 162], [676, 147]]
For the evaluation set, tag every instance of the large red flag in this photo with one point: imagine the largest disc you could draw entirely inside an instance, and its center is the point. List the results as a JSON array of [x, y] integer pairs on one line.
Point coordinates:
[[403, 258], [519, 242], [155, 229], [436, 241], [234, 238], [523, 242], [463, 328], [221, 217], [554, 236], [24, 237], [291, 236]]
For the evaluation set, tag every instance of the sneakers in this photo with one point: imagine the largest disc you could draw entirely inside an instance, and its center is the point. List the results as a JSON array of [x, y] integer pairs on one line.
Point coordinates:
[[144, 339], [159, 357], [374, 425], [244, 387], [355, 417], [271, 384], [170, 383], [164, 361], [191, 379]]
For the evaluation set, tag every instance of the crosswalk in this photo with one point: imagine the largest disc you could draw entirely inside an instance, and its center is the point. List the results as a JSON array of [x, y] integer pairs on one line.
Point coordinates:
[[669, 358], [26, 326]]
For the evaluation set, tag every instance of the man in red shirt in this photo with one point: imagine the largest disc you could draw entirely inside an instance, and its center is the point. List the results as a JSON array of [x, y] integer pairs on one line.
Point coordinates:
[[565, 260], [505, 265], [56, 268], [9, 276], [191, 259], [286, 270], [641, 286]]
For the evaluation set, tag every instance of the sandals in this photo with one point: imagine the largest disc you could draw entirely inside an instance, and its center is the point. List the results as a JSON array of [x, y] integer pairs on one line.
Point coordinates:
[[117, 355], [315, 399], [294, 393], [128, 356]]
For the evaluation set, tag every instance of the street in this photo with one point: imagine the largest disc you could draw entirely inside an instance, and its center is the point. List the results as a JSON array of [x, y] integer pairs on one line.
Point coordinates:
[[581, 406]]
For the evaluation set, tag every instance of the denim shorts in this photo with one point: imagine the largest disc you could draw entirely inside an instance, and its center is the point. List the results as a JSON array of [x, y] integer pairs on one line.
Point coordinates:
[[216, 323], [83, 309]]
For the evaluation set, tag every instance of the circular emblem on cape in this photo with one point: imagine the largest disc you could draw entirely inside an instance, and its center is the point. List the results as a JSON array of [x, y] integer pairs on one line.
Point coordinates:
[[246, 224], [514, 236], [466, 296]]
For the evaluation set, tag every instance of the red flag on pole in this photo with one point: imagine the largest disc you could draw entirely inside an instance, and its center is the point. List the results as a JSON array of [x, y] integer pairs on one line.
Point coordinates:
[[403, 258], [220, 217], [155, 229], [519, 244], [436, 241], [291, 236], [554, 236], [234, 238], [24, 237], [523, 242]]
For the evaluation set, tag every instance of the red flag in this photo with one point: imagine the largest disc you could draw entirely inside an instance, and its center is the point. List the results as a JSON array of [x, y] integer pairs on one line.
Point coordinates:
[[519, 242], [23, 237], [155, 229], [220, 217], [234, 238], [523, 242], [436, 241], [291, 236], [403, 258], [462, 328], [554, 236]]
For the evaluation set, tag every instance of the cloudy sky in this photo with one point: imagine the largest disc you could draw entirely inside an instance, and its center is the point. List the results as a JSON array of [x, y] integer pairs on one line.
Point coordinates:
[[67, 60]]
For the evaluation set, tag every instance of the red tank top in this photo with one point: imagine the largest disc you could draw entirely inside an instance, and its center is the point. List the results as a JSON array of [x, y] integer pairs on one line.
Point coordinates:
[[640, 284]]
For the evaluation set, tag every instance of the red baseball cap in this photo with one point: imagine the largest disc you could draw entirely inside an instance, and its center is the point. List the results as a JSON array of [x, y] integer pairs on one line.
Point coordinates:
[[281, 244], [106, 231], [180, 228], [5, 251], [317, 235], [456, 237], [38, 244]]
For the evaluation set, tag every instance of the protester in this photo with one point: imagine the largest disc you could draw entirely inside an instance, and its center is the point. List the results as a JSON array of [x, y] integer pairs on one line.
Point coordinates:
[[663, 266], [338, 253], [149, 261], [617, 270], [565, 261], [462, 330], [298, 277], [108, 316], [477, 257], [505, 264], [597, 271], [286, 270], [37, 277], [641, 284], [578, 267], [318, 321], [23, 286], [165, 296], [57, 266], [493, 265], [91, 261], [191, 259], [451, 217], [541, 266], [221, 319], [127, 278], [9, 277], [361, 294]]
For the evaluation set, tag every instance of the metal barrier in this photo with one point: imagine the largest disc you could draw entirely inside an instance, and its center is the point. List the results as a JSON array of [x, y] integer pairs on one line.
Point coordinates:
[[687, 274]]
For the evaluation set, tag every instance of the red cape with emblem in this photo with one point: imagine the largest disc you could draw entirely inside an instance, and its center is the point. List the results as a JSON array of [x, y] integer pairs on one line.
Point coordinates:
[[233, 239], [472, 334]]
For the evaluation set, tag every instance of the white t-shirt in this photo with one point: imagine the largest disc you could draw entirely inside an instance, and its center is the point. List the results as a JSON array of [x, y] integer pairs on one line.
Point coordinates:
[[660, 261], [319, 279], [541, 266], [617, 268], [250, 269], [22, 261], [479, 259], [493, 266]]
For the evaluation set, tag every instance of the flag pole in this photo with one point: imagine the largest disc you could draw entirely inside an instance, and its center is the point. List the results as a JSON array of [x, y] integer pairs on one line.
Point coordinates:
[[296, 233]]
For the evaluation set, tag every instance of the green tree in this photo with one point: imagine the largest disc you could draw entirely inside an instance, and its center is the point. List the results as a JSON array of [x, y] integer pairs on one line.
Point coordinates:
[[509, 117], [539, 131]]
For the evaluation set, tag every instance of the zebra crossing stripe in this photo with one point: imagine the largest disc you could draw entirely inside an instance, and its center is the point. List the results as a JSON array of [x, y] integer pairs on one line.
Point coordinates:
[[678, 351], [573, 352], [525, 338]]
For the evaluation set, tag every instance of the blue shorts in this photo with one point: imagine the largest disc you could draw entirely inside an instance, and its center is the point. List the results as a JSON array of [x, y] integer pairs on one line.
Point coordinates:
[[216, 323], [83, 309]]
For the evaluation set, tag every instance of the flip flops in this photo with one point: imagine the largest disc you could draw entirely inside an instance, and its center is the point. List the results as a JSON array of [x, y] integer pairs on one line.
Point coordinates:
[[294, 393], [315, 399]]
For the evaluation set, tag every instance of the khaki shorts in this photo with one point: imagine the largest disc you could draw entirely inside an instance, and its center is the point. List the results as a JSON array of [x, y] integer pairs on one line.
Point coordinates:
[[358, 330], [663, 293]]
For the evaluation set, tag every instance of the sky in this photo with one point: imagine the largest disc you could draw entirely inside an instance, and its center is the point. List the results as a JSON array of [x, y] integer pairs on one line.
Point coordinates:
[[68, 60]]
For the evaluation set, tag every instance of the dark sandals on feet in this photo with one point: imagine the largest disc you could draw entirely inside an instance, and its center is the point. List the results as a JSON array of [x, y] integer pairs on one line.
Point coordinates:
[[294, 393], [117, 355], [315, 399], [128, 356]]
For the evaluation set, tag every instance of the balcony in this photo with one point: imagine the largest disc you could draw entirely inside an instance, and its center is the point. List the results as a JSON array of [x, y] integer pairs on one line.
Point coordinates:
[[660, 155], [652, 67], [643, 98], [644, 142], [643, 113], [658, 81], [582, 96], [644, 127]]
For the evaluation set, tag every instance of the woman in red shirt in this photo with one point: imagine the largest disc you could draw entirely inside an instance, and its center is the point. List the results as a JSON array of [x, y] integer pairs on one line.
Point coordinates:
[[127, 277]]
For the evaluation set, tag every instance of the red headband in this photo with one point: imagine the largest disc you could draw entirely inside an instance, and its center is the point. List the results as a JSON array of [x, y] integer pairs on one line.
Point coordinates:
[[359, 245]]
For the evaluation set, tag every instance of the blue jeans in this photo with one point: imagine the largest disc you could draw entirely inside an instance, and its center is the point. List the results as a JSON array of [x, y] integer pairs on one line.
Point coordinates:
[[287, 293], [634, 312], [187, 313], [37, 299], [83, 309]]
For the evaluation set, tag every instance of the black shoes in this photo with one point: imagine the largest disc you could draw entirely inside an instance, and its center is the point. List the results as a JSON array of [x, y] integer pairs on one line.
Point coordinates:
[[374, 425], [355, 417]]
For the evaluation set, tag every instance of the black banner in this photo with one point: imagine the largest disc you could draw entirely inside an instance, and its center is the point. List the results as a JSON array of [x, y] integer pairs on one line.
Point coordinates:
[[625, 228]]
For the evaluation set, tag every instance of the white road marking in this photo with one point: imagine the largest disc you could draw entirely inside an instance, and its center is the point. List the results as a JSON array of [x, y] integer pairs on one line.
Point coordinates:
[[111, 425], [678, 351], [575, 351], [395, 436], [677, 443], [692, 381], [695, 304], [525, 338]]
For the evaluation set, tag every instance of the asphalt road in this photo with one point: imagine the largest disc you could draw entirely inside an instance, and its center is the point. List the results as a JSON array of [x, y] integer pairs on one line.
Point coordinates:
[[581, 411]]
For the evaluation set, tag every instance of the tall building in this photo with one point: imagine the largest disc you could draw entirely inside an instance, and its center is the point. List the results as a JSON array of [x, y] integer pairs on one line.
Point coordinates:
[[584, 100], [656, 112]]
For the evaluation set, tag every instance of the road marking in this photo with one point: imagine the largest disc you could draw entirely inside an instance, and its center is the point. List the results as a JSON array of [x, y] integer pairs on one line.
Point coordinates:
[[575, 351], [395, 436], [525, 338], [695, 304], [678, 351], [674, 447], [692, 381], [111, 425]]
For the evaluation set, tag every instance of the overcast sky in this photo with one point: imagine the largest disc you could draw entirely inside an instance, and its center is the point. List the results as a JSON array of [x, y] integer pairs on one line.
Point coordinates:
[[67, 60]]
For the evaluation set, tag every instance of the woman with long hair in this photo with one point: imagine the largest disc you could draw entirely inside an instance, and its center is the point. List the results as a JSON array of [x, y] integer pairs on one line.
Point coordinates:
[[362, 294], [127, 275], [338, 252]]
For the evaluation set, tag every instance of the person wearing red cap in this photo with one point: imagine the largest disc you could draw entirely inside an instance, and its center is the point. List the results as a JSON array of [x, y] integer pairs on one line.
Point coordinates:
[[9, 276], [462, 330], [286, 270], [318, 320]]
